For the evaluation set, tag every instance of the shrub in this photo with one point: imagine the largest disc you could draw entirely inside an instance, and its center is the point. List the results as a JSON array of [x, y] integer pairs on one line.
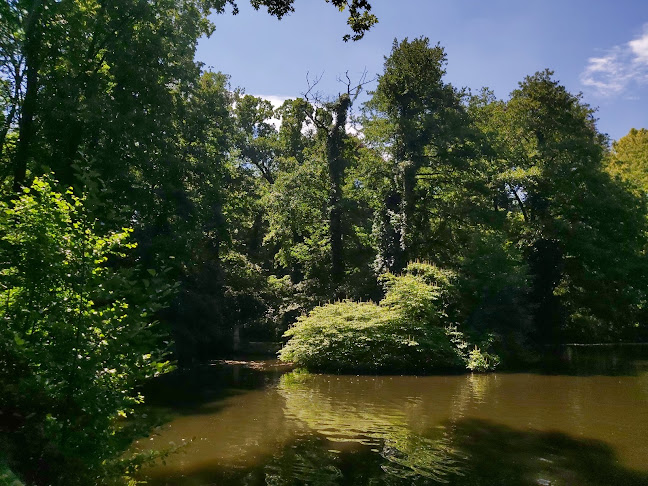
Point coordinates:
[[75, 339], [481, 361], [408, 331], [423, 293]]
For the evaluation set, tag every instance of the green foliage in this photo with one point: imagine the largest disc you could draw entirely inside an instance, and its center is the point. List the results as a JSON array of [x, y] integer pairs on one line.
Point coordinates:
[[298, 220], [7, 477], [629, 159], [481, 361], [421, 294], [76, 338], [492, 291], [583, 231], [408, 331]]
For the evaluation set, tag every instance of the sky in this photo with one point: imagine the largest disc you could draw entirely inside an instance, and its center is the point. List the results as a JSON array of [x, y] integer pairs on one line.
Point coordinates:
[[597, 47]]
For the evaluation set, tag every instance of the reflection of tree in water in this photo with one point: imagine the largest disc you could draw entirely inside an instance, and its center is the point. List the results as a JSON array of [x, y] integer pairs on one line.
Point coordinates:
[[438, 459], [473, 389], [643, 380], [303, 463], [507, 457], [412, 456], [495, 455], [350, 418], [460, 450], [403, 431]]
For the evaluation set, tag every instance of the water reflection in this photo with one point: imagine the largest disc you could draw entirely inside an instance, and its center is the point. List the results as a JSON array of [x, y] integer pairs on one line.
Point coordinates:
[[367, 415], [588, 360], [505, 456], [509, 429]]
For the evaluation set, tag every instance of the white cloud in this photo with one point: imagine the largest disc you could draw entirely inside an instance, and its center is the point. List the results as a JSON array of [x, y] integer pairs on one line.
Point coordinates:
[[354, 129], [276, 100], [639, 48], [619, 68]]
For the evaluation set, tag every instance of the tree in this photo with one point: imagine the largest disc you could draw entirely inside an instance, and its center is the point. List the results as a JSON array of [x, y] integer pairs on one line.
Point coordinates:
[[11, 75], [582, 231], [629, 159], [77, 337], [257, 138], [330, 119], [360, 19], [197, 315], [416, 119]]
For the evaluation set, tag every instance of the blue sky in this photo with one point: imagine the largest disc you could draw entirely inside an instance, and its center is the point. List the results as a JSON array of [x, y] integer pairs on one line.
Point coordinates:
[[599, 47]]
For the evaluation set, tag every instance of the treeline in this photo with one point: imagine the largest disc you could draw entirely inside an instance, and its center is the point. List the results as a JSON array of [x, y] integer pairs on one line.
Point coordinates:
[[542, 226], [519, 198], [153, 212]]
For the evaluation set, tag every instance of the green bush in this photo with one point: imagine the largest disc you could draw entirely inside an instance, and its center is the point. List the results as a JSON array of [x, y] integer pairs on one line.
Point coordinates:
[[408, 331], [75, 340], [481, 361], [423, 293]]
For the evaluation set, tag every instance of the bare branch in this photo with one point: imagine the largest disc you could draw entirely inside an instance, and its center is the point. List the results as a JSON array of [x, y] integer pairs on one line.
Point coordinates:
[[309, 95]]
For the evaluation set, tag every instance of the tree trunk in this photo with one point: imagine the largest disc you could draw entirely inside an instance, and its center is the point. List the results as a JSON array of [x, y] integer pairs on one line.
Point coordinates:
[[32, 65], [391, 256], [336, 165], [407, 211], [12, 113]]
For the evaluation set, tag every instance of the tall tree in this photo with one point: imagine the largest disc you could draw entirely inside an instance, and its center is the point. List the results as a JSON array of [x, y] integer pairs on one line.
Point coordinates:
[[582, 230], [31, 25], [417, 118], [331, 121]]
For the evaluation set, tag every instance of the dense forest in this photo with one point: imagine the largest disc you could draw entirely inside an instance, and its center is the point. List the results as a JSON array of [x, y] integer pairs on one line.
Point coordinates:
[[153, 215]]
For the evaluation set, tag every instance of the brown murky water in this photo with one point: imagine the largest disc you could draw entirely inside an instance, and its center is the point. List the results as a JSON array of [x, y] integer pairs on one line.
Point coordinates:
[[262, 424]]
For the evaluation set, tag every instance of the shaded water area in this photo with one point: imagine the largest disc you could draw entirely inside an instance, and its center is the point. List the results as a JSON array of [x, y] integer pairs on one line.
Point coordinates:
[[584, 422]]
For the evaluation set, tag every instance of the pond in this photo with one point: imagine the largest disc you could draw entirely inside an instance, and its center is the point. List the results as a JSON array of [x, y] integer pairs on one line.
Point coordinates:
[[257, 423]]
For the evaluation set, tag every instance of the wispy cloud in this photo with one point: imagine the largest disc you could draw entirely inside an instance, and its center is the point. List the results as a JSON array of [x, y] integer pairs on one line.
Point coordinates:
[[619, 67]]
